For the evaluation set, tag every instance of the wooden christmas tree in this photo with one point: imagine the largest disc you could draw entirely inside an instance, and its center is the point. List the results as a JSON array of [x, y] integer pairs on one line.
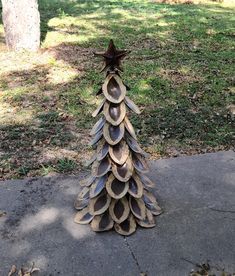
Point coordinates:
[[117, 194]]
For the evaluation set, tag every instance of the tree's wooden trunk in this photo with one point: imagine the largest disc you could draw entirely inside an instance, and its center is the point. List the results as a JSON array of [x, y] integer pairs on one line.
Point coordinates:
[[21, 21]]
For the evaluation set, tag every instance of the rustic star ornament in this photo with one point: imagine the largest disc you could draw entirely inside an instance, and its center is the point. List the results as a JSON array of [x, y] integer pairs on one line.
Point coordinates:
[[112, 57]]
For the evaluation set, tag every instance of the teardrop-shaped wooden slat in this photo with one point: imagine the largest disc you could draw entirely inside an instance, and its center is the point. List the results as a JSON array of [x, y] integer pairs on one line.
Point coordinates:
[[151, 203], [115, 188], [123, 172], [129, 128], [82, 199], [102, 222], [102, 150], [119, 209], [113, 88], [149, 198], [127, 227], [98, 205], [132, 105], [138, 208], [92, 159], [96, 138], [139, 163], [114, 113], [100, 168], [119, 152], [113, 134], [132, 143], [98, 186], [135, 186], [83, 217], [148, 222], [98, 126], [99, 108], [155, 209], [84, 193], [146, 181], [80, 204], [87, 181]]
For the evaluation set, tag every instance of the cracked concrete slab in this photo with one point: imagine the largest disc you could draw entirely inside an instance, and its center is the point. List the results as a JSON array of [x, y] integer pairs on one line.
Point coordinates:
[[198, 197], [39, 228], [198, 224]]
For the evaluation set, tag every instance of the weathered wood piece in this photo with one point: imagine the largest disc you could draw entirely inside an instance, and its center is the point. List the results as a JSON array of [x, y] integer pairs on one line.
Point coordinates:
[[117, 195]]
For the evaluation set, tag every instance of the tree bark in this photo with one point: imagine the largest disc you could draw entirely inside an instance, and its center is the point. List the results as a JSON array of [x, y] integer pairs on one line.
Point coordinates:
[[21, 20]]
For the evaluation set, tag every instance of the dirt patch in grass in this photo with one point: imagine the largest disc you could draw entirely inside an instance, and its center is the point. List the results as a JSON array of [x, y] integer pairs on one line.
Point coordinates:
[[178, 77]]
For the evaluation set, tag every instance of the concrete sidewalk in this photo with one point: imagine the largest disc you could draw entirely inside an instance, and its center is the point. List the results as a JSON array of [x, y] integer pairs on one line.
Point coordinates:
[[198, 224]]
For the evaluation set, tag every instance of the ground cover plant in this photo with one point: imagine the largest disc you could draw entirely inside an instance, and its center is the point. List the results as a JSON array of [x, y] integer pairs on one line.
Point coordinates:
[[181, 71]]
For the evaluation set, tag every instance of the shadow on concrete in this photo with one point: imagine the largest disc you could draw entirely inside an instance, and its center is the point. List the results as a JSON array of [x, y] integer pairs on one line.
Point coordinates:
[[196, 194]]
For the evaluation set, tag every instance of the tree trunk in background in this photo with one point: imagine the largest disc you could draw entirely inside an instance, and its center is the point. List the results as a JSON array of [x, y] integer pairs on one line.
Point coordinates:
[[21, 21]]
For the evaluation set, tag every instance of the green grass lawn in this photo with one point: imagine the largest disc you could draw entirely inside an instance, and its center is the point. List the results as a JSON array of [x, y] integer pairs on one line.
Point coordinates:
[[180, 70]]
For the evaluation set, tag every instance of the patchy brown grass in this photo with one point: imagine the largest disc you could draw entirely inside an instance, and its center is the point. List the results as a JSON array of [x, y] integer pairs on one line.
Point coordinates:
[[180, 70], [38, 136], [177, 1], [178, 77], [187, 2]]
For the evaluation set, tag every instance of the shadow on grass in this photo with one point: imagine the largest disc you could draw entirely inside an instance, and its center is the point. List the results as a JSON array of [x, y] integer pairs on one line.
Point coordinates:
[[62, 9], [179, 70], [48, 139]]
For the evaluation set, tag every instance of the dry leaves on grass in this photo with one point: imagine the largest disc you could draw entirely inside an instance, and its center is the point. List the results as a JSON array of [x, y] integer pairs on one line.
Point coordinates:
[[231, 110]]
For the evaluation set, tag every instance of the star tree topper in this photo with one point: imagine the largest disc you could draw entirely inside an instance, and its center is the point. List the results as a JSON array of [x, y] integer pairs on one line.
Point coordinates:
[[112, 57]]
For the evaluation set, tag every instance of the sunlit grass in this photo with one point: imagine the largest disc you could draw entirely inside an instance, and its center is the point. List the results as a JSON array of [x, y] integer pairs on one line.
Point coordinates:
[[180, 70]]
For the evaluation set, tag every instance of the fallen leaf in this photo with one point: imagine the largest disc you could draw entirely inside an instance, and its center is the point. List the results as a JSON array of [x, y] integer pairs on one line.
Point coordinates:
[[12, 271], [2, 213]]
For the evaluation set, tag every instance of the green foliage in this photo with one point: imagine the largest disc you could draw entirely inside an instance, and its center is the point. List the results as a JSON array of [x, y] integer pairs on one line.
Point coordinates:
[[65, 165]]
